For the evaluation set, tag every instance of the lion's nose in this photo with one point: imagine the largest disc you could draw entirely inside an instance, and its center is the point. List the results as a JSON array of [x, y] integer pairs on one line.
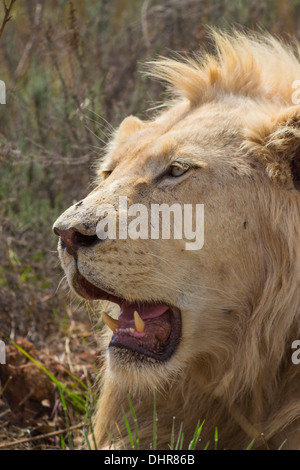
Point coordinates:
[[72, 239]]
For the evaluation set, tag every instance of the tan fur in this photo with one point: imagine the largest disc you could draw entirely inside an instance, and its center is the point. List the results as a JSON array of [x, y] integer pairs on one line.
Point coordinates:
[[232, 118]]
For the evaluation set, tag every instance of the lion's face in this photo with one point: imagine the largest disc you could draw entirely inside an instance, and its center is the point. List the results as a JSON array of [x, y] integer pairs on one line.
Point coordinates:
[[186, 299]]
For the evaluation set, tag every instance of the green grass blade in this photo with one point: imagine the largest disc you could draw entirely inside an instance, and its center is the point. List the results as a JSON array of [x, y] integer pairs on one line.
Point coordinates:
[[64, 405], [171, 445], [154, 422], [181, 441], [109, 435], [77, 379], [86, 438], [136, 444], [193, 443], [128, 428], [62, 443], [179, 437], [88, 418], [250, 445], [207, 444], [216, 438], [281, 445]]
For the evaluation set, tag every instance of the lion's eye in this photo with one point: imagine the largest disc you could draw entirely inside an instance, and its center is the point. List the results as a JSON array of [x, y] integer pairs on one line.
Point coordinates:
[[178, 170]]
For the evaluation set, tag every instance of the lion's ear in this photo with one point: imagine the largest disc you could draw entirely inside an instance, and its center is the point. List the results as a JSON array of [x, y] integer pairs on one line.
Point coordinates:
[[277, 144], [130, 125], [295, 169], [285, 141]]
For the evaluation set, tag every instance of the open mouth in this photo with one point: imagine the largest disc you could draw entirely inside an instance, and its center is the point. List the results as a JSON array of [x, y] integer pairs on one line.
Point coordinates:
[[150, 329]]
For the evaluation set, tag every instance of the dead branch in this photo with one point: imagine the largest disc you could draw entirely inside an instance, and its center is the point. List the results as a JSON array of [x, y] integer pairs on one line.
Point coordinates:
[[42, 436], [7, 15], [32, 40]]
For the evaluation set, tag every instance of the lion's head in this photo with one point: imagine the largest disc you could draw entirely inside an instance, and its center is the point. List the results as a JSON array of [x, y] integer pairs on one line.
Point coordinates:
[[215, 322]]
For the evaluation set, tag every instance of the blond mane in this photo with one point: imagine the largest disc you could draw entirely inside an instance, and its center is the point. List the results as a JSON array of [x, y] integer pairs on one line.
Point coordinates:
[[256, 65]]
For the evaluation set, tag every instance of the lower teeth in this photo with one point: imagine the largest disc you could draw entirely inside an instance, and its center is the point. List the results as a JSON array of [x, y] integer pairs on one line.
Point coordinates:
[[124, 330]]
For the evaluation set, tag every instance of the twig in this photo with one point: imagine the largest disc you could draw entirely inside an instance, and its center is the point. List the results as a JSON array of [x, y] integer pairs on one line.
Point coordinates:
[[4, 386], [32, 40], [144, 23], [42, 436], [5, 413], [7, 16], [264, 441]]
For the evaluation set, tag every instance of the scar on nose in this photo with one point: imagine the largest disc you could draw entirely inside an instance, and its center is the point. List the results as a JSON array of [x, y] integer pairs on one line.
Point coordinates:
[[78, 203]]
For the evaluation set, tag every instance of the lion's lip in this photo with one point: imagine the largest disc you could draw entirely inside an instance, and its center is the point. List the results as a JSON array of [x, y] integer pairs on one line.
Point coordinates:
[[161, 322], [89, 291]]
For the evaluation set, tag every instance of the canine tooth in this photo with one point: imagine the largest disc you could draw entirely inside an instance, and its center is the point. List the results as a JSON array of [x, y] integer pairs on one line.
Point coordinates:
[[139, 323], [111, 322]]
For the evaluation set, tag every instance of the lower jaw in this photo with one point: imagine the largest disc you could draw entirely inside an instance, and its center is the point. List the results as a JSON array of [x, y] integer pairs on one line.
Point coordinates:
[[123, 361], [139, 353]]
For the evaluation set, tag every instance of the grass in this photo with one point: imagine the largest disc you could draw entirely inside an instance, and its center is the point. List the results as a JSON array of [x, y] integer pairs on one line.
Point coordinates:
[[176, 442], [78, 396], [77, 401]]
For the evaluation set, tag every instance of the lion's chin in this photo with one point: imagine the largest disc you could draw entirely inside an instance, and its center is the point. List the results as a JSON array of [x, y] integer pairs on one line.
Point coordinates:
[[146, 329]]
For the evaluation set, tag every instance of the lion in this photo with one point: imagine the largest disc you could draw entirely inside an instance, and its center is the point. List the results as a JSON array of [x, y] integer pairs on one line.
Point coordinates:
[[201, 336]]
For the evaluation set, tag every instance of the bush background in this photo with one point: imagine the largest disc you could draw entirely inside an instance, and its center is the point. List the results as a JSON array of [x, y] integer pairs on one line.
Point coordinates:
[[73, 71]]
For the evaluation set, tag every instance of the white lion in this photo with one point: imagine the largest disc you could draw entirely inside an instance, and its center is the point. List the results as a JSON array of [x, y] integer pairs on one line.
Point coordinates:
[[212, 330]]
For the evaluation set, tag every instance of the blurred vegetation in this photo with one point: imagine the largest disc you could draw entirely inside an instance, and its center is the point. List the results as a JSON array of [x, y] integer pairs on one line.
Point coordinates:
[[72, 73]]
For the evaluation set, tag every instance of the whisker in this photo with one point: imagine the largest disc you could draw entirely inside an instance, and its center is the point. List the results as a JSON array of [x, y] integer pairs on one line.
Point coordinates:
[[110, 126], [95, 135], [59, 284], [106, 132]]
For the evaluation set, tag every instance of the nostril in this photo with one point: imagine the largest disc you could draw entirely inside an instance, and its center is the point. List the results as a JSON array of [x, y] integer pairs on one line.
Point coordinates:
[[84, 240], [72, 240], [57, 231]]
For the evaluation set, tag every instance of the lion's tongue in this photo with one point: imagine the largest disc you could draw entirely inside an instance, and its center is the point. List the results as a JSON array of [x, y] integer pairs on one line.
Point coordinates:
[[145, 310]]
